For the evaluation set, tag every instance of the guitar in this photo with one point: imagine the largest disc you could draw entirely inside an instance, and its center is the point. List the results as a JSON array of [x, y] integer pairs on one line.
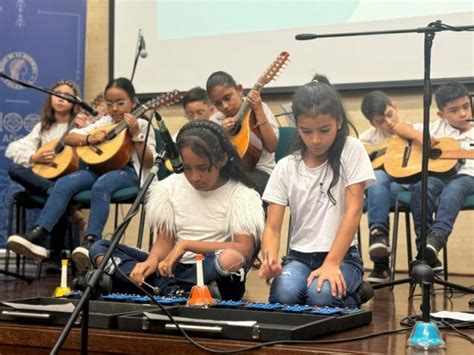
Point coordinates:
[[65, 160], [116, 150], [403, 161], [245, 137], [377, 153]]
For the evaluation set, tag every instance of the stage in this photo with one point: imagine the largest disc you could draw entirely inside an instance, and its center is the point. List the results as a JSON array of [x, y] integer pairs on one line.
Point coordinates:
[[388, 308]]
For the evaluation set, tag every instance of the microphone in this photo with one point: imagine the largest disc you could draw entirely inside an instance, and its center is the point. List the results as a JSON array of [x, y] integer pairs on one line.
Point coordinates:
[[142, 47], [170, 145], [305, 36]]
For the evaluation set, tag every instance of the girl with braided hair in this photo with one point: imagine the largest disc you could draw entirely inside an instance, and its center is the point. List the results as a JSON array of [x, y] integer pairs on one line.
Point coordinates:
[[211, 209]]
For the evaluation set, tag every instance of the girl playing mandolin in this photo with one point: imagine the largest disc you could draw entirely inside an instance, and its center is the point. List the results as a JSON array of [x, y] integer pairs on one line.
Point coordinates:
[[228, 98], [56, 116], [119, 96]]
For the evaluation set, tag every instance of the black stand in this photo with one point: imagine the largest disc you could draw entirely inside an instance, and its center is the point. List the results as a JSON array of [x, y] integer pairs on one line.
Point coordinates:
[[72, 99], [96, 276], [429, 32], [137, 54]]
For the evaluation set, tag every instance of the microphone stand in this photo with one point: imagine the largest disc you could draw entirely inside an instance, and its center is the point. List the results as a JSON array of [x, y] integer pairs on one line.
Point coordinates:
[[69, 98], [137, 54], [83, 304], [421, 272]]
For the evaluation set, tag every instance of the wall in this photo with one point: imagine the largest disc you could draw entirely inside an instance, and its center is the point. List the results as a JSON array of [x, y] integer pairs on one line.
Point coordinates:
[[409, 101]]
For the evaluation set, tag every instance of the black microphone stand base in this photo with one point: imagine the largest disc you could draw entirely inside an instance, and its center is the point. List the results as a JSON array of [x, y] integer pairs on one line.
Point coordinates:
[[28, 279]]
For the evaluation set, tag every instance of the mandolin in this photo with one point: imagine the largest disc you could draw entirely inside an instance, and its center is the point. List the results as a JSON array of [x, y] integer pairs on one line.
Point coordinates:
[[245, 136], [403, 158], [116, 150], [65, 160]]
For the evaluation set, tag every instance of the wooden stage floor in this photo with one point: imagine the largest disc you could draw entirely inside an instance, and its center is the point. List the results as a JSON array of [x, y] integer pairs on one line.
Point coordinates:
[[388, 307]]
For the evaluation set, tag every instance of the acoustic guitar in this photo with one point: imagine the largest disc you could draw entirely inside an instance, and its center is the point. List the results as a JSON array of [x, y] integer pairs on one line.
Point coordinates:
[[116, 150], [245, 136], [377, 153], [403, 158], [65, 160]]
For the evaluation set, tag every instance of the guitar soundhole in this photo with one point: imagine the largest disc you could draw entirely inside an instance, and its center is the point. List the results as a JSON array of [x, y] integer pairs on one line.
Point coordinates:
[[435, 153]]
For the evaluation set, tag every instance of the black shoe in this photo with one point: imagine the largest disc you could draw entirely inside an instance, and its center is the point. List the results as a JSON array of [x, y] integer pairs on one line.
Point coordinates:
[[365, 292], [434, 243], [31, 244], [437, 266], [380, 273], [379, 245], [80, 255]]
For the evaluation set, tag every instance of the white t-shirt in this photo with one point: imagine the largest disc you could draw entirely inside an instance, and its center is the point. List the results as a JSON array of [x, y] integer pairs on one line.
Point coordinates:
[[441, 128], [266, 162], [151, 142], [22, 149], [174, 205], [374, 136], [315, 220]]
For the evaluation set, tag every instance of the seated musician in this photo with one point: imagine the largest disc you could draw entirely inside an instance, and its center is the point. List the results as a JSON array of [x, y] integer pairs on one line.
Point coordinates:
[[377, 108], [211, 209], [445, 193], [120, 100], [227, 97], [55, 118]]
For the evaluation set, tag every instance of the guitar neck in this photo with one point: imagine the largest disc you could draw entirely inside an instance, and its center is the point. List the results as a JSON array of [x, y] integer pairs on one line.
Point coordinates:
[[244, 109], [457, 154]]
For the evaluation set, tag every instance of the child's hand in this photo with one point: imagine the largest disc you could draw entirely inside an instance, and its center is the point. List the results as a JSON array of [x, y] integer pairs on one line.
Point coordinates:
[[165, 267], [97, 137], [142, 270], [132, 123], [269, 268], [44, 157], [81, 119], [255, 100], [331, 273], [228, 124]]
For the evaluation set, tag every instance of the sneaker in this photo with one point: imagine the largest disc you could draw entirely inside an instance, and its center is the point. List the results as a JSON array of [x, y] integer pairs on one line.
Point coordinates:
[[437, 266], [380, 273], [365, 292], [378, 243], [214, 290], [434, 243], [80, 255], [31, 244]]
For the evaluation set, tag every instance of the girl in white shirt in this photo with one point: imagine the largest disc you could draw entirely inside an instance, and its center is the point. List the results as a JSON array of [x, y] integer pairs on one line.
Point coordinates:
[[211, 209], [323, 184]]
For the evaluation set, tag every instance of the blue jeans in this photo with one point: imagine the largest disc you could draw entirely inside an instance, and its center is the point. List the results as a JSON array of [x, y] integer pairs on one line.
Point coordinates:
[[290, 286], [28, 179], [445, 199], [102, 186], [380, 198], [231, 285]]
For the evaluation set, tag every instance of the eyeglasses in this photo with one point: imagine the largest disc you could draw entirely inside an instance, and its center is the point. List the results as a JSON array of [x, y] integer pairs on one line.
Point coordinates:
[[119, 104]]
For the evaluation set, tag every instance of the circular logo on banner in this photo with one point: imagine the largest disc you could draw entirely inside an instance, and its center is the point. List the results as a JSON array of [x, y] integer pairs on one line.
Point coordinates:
[[30, 121], [20, 66], [12, 122]]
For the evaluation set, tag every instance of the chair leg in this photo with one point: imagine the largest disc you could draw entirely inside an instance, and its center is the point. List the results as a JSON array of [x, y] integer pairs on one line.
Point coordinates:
[[409, 246], [393, 254], [116, 216], [359, 240], [445, 262]]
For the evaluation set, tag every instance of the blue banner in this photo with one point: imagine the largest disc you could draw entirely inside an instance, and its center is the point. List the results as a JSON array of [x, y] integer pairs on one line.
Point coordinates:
[[42, 42]]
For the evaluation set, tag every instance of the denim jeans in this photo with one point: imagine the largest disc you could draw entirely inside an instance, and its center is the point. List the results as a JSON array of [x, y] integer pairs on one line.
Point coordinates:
[[380, 197], [28, 179], [290, 286], [231, 286], [102, 186], [445, 199]]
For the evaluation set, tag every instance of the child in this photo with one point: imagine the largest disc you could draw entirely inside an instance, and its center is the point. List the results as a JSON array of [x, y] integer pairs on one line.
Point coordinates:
[[323, 184], [445, 194], [196, 105], [210, 209], [119, 95], [226, 96], [55, 117], [376, 107]]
